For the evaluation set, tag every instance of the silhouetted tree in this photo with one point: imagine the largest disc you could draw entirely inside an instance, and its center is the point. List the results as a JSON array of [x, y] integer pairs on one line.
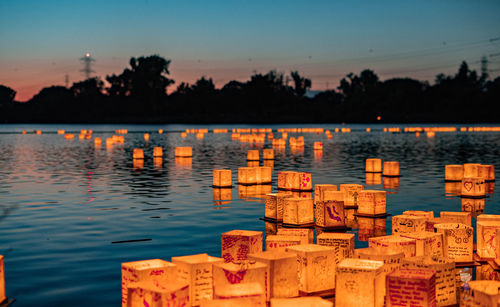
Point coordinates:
[[7, 95], [301, 84], [88, 89]]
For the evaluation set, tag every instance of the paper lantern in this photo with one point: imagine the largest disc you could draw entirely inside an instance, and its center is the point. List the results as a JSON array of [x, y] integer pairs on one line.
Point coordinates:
[[197, 271], [242, 295], [373, 178], [183, 151], [271, 228], [298, 211], [264, 175], [157, 152], [473, 205], [305, 182], [395, 243], [274, 205], [282, 271], [279, 243], [146, 136], [373, 166], [457, 241], [372, 202], [411, 287], [453, 188], [408, 223], [249, 271], [247, 175], [487, 172], [391, 259], [97, 141], [446, 287], [306, 234], [371, 227], [427, 214], [268, 154], [486, 272], [471, 169], [316, 267], [154, 270], [486, 239], [482, 293], [236, 244], [456, 217], [310, 301], [160, 131], [2, 280], [221, 178], [138, 153], [253, 155], [154, 294], [453, 172], [427, 243], [330, 213], [489, 187], [359, 282], [488, 218], [319, 190], [351, 192], [318, 146], [343, 243], [391, 168], [473, 187], [286, 180]]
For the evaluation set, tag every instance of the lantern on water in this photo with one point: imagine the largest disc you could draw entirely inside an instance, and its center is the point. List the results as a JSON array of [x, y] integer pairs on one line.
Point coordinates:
[[138, 153], [153, 294], [319, 190], [253, 155], [245, 295], [456, 217], [373, 166], [473, 187], [427, 214], [2, 280], [372, 202], [453, 188], [361, 282], [411, 287], [279, 243], [222, 178], [482, 293], [244, 272], [373, 178], [395, 243], [486, 239], [488, 218], [286, 180], [236, 244], [268, 154], [274, 206], [160, 131], [351, 193], [264, 175], [183, 151], [343, 243], [298, 211], [391, 168], [427, 243], [306, 234], [304, 182], [408, 223], [316, 267], [59, 131], [154, 270], [318, 146], [453, 172], [487, 172], [197, 271], [391, 259], [69, 136], [457, 241], [471, 169], [247, 175], [146, 136], [330, 211], [97, 141]]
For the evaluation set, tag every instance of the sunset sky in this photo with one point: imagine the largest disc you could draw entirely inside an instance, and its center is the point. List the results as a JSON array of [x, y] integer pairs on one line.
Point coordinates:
[[42, 41]]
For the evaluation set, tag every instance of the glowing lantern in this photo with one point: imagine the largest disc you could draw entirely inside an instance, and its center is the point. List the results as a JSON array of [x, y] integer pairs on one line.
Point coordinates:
[[395, 243], [222, 193], [247, 175], [473, 187], [109, 142], [391, 168], [453, 188], [138, 153], [318, 146], [427, 243], [330, 212], [154, 270], [285, 180], [38, 131], [2, 280], [391, 259], [456, 217], [426, 214], [408, 223], [264, 175], [343, 243], [488, 218], [351, 193], [160, 131], [69, 136], [316, 267], [274, 206], [350, 218], [221, 178], [487, 172], [298, 211], [279, 243], [24, 132], [373, 178], [146, 136], [197, 271], [453, 172], [471, 169], [236, 244], [268, 154], [486, 239], [243, 295], [361, 282], [253, 155], [183, 151], [319, 191], [153, 294], [305, 182], [482, 293], [487, 272], [249, 271], [183, 135], [411, 287], [373, 166], [271, 228], [372, 202], [457, 241], [306, 235], [310, 301]]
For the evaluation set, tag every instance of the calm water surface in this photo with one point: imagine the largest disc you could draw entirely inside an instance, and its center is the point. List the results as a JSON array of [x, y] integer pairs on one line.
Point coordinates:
[[64, 201]]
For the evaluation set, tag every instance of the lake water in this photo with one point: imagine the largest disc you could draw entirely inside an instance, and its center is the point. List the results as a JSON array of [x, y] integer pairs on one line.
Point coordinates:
[[64, 201]]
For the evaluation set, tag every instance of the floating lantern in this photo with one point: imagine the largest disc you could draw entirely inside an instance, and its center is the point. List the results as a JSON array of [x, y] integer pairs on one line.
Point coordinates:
[[228, 274], [351, 193], [316, 267], [408, 223], [264, 175], [306, 234], [222, 193], [200, 135], [457, 241], [298, 211], [373, 166], [247, 175], [391, 259], [427, 243], [318, 146], [183, 135], [59, 131], [274, 206], [69, 136], [138, 153], [391, 169], [183, 151], [285, 180], [236, 244], [197, 271], [109, 142], [23, 132], [456, 217], [150, 293], [482, 293], [146, 136], [350, 218], [310, 301], [3, 297], [38, 132], [427, 214], [319, 190], [486, 272], [253, 155], [282, 272], [81, 136], [361, 283], [487, 172], [280, 242], [271, 228], [268, 154], [373, 178], [453, 188], [330, 212], [372, 202], [411, 287], [489, 187], [157, 152], [154, 270], [395, 243], [488, 218], [304, 182], [222, 178], [471, 169], [486, 239], [473, 187], [343, 243], [244, 295], [453, 172]]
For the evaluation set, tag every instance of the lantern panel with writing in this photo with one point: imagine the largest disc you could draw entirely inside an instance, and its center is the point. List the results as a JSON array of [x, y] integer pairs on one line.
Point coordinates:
[[237, 244], [408, 223], [249, 271], [456, 217], [427, 243], [306, 234], [298, 211], [372, 202], [453, 172], [351, 193], [394, 243], [343, 243], [156, 294], [457, 241], [411, 287]]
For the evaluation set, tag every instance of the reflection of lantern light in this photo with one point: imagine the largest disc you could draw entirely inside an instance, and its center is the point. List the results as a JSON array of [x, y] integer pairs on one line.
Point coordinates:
[[253, 155], [69, 136], [183, 152], [2, 280], [184, 162], [391, 182], [160, 131], [373, 178], [138, 163], [318, 146]]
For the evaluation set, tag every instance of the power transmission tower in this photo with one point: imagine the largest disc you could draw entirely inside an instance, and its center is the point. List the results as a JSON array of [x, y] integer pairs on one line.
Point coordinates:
[[87, 65], [484, 69]]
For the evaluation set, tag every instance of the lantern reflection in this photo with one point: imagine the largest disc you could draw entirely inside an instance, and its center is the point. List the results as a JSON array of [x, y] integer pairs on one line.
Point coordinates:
[[158, 162], [391, 183], [268, 163], [254, 191], [184, 162], [473, 205], [373, 178], [138, 164], [371, 227], [453, 188]]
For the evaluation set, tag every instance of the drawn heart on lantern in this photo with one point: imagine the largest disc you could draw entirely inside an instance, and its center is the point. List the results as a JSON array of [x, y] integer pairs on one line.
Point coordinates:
[[468, 185]]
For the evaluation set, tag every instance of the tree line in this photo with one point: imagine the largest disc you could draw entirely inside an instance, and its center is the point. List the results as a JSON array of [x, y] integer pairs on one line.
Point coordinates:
[[139, 95]]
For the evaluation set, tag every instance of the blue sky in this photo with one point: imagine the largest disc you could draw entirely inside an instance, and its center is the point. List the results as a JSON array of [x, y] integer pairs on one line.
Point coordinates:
[[41, 41]]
